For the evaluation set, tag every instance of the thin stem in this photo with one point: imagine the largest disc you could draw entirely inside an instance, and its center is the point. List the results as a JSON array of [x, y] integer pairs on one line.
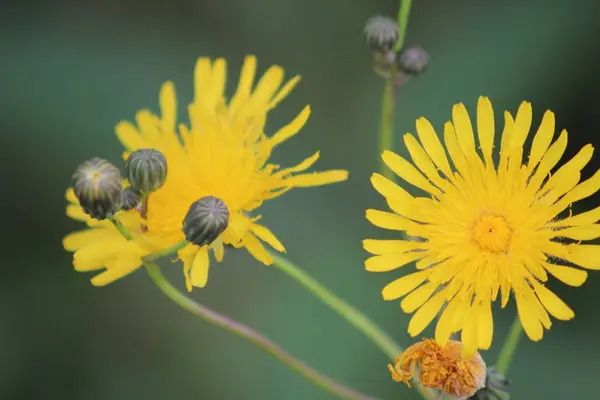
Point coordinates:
[[386, 125], [356, 318], [241, 330], [403, 14], [121, 228], [166, 252], [509, 347]]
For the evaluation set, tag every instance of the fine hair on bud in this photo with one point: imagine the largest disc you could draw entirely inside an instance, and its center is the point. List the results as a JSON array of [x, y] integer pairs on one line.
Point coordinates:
[[146, 170], [131, 199], [206, 219], [413, 60], [97, 186], [381, 33]]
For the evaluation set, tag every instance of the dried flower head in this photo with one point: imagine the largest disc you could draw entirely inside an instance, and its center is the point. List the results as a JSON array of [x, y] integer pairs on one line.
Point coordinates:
[[381, 33], [440, 368]]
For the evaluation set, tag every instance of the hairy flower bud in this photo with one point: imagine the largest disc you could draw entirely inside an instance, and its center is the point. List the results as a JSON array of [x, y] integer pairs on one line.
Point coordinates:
[[97, 185], [496, 387], [381, 33], [413, 60], [146, 170], [131, 199], [206, 219]]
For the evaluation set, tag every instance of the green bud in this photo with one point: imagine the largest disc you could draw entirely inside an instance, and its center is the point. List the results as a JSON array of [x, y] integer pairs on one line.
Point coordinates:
[[146, 170], [381, 33], [206, 219], [131, 199], [97, 185], [413, 60], [496, 387]]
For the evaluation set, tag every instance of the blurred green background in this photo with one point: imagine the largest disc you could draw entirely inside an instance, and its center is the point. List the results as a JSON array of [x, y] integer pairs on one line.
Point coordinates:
[[72, 69]]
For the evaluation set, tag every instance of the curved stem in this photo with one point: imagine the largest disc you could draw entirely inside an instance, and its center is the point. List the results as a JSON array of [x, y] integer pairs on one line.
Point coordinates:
[[356, 318], [509, 347], [403, 13], [241, 330]]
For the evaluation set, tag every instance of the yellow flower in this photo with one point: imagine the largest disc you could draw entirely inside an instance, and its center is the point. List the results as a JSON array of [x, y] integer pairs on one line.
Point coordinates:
[[440, 368], [487, 227], [223, 153]]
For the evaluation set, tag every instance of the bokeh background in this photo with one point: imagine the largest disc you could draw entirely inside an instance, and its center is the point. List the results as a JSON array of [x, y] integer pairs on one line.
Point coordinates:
[[70, 70]]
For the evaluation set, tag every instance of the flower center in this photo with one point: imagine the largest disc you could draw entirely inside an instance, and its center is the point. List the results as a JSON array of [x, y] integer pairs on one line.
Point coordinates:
[[492, 233]]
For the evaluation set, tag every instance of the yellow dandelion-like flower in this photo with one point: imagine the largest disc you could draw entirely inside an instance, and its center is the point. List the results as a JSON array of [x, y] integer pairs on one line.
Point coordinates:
[[440, 368], [488, 227], [224, 153]]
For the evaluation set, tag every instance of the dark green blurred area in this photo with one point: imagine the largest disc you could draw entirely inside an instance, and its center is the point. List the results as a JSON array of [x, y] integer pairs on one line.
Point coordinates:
[[72, 69]]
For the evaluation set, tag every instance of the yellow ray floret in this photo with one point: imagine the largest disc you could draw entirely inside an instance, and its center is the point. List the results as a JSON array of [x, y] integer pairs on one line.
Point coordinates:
[[224, 152], [492, 225]]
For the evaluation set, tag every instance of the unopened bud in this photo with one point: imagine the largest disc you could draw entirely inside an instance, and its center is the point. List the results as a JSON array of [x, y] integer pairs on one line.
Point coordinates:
[[97, 185], [496, 387], [146, 170], [131, 199], [206, 219], [413, 60], [381, 33]]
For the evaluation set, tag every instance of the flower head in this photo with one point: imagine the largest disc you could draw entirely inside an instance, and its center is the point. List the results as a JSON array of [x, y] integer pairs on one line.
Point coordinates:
[[440, 368], [97, 185], [223, 153], [491, 226]]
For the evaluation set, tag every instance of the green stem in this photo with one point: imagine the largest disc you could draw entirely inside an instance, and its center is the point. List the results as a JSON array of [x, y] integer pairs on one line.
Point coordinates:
[[403, 14], [121, 228], [509, 347], [166, 252], [241, 330], [386, 125], [354, 317], [357, 319]]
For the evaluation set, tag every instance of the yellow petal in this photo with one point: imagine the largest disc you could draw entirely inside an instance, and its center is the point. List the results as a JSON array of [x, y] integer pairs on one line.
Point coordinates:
[[216, 87], [245, 84], [485, 323], [77, 240], [77, 213], [464, 130], [528, 316], [266, 235], [470, 334], [422, 160], [408, 172], [255, 247], [426, 314], [70, 196], [317, 178], [585, 218], [522, 125], [432, 145], [202, 79], [129, 136], [284, 91], [418, 297], [391, 221], [267, 86], [485, 129], [97, 254], [570, 168], [117, 270], [187, 255], [291, 129], [549, 160], [445, 325], [541, 140], [404, 285], [551, 302], [569, 275], [379, 247], [199, 271], [456, 154], [168, 107], [582, 232], [390, 262], [218, 248]]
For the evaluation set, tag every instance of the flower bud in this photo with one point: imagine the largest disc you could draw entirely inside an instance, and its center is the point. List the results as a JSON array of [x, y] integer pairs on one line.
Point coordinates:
[[413, 60], [146, 170], [131, 199], [206, 219], [496, 387], [381, 33], [97, 185]]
